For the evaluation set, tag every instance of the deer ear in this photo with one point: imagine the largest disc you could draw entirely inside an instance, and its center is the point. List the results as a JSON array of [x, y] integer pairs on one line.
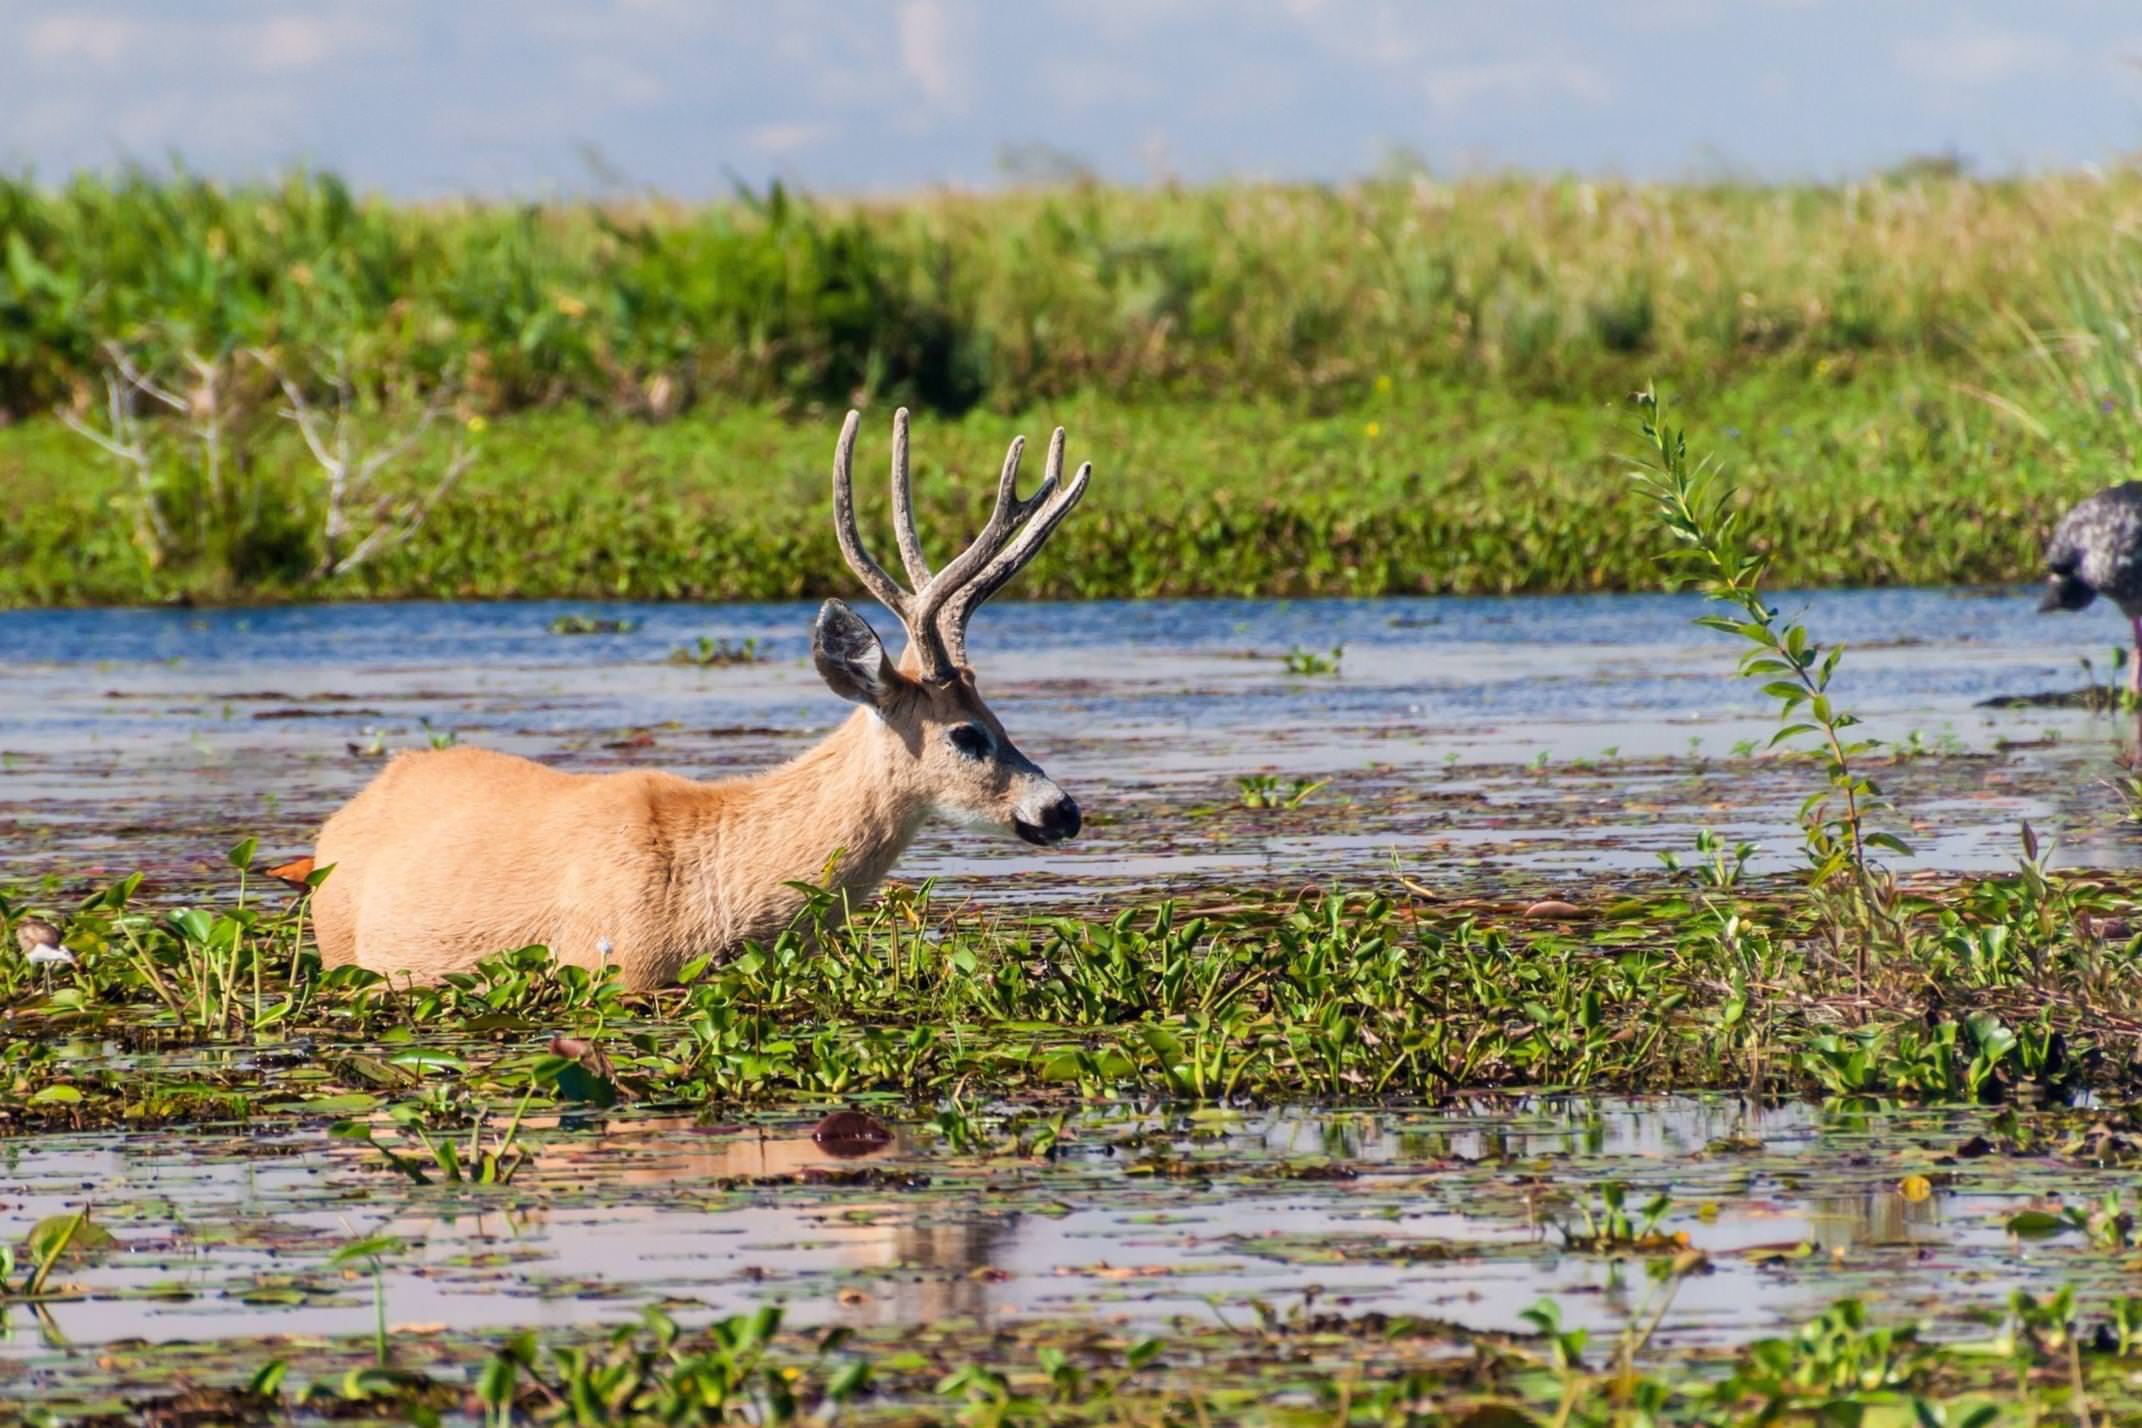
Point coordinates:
[[850, 657]]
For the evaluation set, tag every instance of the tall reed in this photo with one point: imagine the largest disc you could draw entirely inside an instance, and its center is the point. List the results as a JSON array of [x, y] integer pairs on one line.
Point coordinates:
[[951, 299]]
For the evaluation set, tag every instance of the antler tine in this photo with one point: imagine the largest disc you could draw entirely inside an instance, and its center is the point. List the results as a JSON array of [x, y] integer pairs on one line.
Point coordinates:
[[1004, 518], [936, 612], [903, 505], [928, 644], [881, 585], [1014, 555]]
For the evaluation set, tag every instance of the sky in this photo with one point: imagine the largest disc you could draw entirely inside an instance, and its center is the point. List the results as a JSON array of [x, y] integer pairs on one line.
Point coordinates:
[[426, 98]]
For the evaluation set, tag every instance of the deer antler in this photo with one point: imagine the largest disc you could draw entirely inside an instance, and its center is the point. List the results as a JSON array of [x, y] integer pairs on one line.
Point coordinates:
[[936, 612], [1013, 551]]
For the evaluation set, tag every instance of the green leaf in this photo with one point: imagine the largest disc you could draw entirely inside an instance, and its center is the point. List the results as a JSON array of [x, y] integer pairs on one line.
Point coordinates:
[[427, 1059], [494, 1385], [49, 1233], [355, 1103], [2035, 1224], [273, 1294], [370, 1247], [571, 1081]]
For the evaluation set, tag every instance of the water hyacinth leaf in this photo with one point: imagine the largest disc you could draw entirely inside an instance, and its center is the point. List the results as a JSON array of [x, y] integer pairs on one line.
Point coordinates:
[[273, 1296], [428, 1059], [78, 1234], [850, 1379], [377, 1072], [360, 1385], [350, 1103], [2036, 1224], [370, 1247], [494, 1385], [568, 1079]]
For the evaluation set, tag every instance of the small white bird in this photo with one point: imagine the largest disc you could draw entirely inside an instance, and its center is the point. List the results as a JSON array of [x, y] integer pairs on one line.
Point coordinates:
[[40, 943]]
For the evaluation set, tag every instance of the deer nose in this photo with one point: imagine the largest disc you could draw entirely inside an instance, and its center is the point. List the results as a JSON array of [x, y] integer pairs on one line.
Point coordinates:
[[1060, 820], [1057, 821]]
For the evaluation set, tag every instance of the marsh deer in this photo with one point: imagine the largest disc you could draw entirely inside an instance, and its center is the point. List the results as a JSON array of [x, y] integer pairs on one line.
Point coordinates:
[[450, 855]]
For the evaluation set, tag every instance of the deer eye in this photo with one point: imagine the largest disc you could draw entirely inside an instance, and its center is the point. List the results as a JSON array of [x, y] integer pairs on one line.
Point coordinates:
[[970, 739]]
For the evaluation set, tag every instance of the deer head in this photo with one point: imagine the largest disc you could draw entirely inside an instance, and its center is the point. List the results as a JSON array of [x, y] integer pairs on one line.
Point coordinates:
[[960, 754]]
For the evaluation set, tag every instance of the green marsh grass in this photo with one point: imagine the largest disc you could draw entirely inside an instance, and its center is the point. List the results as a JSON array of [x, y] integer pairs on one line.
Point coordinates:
[[1392, 387], [1464, 491], [950, 299]]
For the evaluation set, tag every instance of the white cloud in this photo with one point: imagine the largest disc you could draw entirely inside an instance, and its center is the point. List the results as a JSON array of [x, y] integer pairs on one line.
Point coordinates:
[[298, 42], [98, 39], [786, 138], [1455, 86], [929, 51], [1976, 55]]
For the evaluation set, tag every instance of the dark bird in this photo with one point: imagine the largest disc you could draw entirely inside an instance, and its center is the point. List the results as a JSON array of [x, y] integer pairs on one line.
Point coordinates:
[[2097, 550]]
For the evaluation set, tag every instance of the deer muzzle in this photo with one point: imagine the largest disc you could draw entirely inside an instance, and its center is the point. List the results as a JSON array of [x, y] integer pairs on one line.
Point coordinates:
[[1051, 819]]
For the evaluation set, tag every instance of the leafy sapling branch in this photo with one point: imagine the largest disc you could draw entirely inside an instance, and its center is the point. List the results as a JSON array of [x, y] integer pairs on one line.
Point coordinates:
[[1695, 504]]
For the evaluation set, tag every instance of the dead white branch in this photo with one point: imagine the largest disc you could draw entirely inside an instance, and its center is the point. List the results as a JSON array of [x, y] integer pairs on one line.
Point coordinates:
[[123, 441], [351, 472], [407, 519], [126, 435]]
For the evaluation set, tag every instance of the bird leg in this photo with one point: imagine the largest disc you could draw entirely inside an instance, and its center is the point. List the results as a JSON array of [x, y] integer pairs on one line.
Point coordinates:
[[2134, 659]]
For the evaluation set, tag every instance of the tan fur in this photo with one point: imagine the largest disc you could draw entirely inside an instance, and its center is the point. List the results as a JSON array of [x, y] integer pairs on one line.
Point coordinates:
[[451, 855]]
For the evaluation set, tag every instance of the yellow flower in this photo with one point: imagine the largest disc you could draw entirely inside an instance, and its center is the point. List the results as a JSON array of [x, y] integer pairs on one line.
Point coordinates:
[[1373, 430], [1383, 384], [477, 423]]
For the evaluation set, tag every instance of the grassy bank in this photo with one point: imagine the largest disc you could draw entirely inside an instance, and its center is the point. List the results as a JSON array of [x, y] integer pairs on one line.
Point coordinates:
[[951, 300], [1877, 473], [1397, 386]]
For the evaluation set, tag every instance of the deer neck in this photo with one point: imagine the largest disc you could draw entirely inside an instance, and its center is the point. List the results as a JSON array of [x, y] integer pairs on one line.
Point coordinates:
[[851, 797]]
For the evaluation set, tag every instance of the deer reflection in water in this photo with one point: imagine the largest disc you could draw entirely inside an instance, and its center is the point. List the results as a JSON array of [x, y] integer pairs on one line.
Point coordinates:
[[841, 1208]]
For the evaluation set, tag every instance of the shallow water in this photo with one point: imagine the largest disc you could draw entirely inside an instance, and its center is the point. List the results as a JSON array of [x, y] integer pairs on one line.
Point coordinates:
[[155, 739], [1482, 745], [1454, 1213]]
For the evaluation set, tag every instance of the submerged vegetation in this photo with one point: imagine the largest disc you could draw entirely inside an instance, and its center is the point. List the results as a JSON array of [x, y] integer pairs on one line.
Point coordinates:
[[1389, 388], [1347, 998]]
